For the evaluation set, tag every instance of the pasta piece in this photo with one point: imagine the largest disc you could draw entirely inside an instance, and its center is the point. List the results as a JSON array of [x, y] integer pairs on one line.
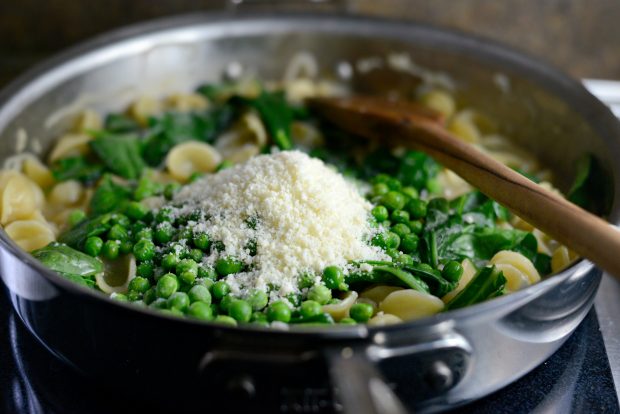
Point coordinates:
[[189, 157], [464, 127], [143, 108], [30, 234], [562, 258], [38, 172], [244, 153], [117, 274], [70, 145], [378, 293], [19, 199], [341, 310], [88, 120], [409, 304], [306, 135], [518, 261], [469, 271], [186, 102], [383, 319], [440, 101], [515, 279], [244, 140], [452, 185], [66, 193], [300, 89]]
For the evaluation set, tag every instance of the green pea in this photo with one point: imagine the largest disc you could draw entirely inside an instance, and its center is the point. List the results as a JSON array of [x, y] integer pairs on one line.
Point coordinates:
[[240, 310], [400, 229], [405, 259], [258, 316], [320, 293], [392, 240], [361, 312], [333, 277], [426, 267], [93, 246], [393, 253], [379, 240], [167, 285], [225, 320], [201, 241], [187, 277], [150, 295], [258, 300], [310, 309], [394, 184], [170, 190], [134, 296], [409, 243], [433, 186], [144, 250], [347, 321], [452, 271], [195, 176], [200, 310], [164, 215], [380, 213], [417, 208], [306, 280], [135, 210], [227, 265], [380, 189], [119, 297], [294, 299], [393, 200], [225, 303], [204, 282], [187, 265], [334, 301], [178, 300], [120, 219], [163, 232], [196, 255], [75, 217], [381, 178], [399, 216], [416, 226], [126, 247], [199, 293], [206, 272], [410, 192], [110, 249], [145, 233], [159, 303], [139, 284], [169, 261], [279, 311], [145, 269], [117, 232], [220, 289]]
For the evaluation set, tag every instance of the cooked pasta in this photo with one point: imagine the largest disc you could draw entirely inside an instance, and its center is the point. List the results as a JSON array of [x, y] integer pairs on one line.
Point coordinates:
[[409, 304], [70, 145], [30, 234], [191, 157]]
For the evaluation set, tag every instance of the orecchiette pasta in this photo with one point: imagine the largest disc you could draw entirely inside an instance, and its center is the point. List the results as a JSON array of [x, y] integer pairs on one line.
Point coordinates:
[[562, 258], [38, 172], [87, 121], [306, 135], [378, 293], [143, 108], [192, 156], [341, 310], [117, 275], [66, 193], [70, 145], [382, 319], [20, 198], [409, 304], [440, 101], [509, 260], [30, 234], [185, 102], [244, 140]]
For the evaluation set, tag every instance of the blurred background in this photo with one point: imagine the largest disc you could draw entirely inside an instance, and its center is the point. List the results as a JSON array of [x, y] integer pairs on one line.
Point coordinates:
[[582, 37]]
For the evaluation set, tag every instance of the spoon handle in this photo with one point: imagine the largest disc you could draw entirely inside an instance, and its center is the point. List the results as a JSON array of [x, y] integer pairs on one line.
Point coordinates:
[[581, 231]]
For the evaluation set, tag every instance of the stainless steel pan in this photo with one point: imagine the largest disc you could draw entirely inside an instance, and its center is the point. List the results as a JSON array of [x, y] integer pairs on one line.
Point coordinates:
[[450, 359]]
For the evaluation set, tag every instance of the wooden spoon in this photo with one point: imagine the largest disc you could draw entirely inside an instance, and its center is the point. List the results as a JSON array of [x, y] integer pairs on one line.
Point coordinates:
[[411, 126]]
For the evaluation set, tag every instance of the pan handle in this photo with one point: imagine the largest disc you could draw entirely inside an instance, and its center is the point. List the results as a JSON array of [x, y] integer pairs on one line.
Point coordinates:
[[360, 387]]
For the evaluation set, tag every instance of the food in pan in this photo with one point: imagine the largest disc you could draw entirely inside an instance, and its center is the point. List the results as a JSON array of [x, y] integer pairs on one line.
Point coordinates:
[[235, 204]]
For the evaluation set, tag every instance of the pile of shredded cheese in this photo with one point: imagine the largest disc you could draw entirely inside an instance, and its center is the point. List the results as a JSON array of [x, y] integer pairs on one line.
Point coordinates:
[[302, 215]]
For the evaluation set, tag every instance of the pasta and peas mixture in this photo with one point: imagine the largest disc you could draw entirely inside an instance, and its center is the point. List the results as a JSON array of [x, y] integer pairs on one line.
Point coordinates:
[[236, 205]]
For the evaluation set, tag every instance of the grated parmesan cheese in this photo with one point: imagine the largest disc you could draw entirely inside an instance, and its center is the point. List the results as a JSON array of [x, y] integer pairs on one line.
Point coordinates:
[[302, 215]]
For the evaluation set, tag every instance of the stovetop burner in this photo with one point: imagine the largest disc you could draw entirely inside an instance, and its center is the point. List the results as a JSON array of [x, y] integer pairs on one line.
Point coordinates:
[[576, 379]]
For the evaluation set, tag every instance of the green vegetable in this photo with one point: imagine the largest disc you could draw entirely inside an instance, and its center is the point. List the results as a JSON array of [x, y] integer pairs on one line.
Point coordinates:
[[240, 310], [164, 232], [167, 285], [220, 289], [119, 153], [202, 241], [77, 168], [258, 300], [361, 312], [178, 300], [310, 309], [136, 211], [144, 250], [110, 249], [592, 187], [199, 293], [139, 284], [380, 213], [109, 196], [393, 200], [93, 246], [452, 271], [227, 266], [320, 294], [333, 277], [279, 311], [277, 116], [75, 217], [200, 310], [225, 320], [488, 283], [119, 123], [69, 263]]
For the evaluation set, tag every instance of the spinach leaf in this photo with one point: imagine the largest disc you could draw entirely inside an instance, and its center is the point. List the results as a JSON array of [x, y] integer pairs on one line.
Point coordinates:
[[120, 123], [120, 153], [437, 284], [77, 168], [529, 248], [417, 169], [488, 283], [77, 235], [277, 115], [405, 277], [67, 261], [109, 196], [173, 128], [387, 273], [592, 188]]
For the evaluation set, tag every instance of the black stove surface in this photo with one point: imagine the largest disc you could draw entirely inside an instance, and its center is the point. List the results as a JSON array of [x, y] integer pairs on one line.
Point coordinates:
[[576, 379]]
